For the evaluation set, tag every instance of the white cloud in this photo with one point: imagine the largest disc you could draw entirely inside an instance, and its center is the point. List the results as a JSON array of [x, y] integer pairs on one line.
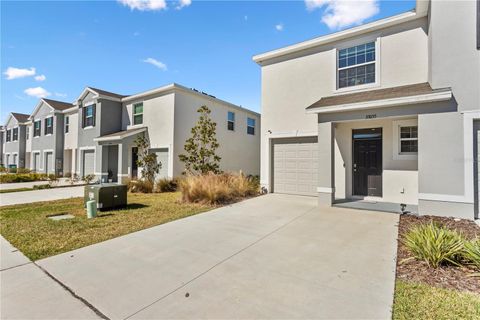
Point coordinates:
[[15, 73], [183, 3], [245, 18], [136, 34], [344, 13], [145, 5], [279, 27], [160, 65], [40, 77], [61, 95], [37, 92]]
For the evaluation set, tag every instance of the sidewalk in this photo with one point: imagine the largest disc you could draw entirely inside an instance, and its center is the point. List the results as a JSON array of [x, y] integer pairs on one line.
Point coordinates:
[[29, 293]]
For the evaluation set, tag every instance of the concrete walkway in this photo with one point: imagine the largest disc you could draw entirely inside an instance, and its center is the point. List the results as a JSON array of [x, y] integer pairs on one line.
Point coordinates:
[[274, 256], [7, 199], [17, 185], [29, 293]]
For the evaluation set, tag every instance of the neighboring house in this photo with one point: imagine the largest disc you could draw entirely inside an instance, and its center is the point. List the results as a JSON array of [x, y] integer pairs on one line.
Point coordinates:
[[388, 111], [165, 116], [46, 137], [15, 140], [99, 114]]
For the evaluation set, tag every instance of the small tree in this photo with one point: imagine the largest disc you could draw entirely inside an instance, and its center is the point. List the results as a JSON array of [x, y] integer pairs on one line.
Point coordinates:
[[146, 160], [200, 149]]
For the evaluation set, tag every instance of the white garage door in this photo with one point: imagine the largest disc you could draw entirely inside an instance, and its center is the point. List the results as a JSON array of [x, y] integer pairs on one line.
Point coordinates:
[[36, 162], [88, 162], [295, 166], [49, 162], [162, 157]]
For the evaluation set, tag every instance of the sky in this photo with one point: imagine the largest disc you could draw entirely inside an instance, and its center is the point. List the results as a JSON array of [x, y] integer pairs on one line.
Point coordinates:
[[55, 49]]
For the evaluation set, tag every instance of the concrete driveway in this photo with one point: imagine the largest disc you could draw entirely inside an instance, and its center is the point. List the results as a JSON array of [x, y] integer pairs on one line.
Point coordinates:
[[274, 256], [22, 197]]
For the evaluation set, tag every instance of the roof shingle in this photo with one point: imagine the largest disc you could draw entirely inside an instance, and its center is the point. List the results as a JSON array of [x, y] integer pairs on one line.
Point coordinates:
[[21, 117], [58, 105]]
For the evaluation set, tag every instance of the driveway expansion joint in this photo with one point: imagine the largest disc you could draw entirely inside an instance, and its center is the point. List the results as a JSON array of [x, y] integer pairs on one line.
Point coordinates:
[[76, 296], [18, 265], [223, 261]]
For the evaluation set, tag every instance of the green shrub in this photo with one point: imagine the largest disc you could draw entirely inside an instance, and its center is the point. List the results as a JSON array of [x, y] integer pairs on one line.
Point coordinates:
[[12, 170], [166, 185], [3, 169], [435, 244], [217, 188], [89, 178], [22, 177], [471, 252], [67, 175], [42, 186], [23, 170]]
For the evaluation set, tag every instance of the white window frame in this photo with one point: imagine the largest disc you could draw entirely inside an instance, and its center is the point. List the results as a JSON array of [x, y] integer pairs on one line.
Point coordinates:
[[254, 126], [40, 128], [137, 114], [87, 116], [377, 62], [396, 125], [232, 121], [67, 124], [46, 127], [18, 133]]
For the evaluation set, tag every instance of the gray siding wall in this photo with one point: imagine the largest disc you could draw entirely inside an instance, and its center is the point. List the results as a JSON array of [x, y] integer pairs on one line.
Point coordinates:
[[16, 146], [2, 137]]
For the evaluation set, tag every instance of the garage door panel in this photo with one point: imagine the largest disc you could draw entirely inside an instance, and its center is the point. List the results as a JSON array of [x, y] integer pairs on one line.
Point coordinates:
[[295, 166]]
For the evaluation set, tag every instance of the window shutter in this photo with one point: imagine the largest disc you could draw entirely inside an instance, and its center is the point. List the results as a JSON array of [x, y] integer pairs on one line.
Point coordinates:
[[94, 113], [45, 124], [82, 110]]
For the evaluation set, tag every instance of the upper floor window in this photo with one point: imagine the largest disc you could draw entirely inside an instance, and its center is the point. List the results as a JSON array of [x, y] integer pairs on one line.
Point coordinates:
[[409, 140], [49, 125], [89, 116], [231, 121], [138, 113], [67, 124], [8, 138], [250, 126], [356, 65], [15, 134], [36, 128]]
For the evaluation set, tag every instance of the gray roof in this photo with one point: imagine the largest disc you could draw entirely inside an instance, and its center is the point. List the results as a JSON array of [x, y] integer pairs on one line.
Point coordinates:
[[107, 93], [21, 117], [372, 95], [58, 105]]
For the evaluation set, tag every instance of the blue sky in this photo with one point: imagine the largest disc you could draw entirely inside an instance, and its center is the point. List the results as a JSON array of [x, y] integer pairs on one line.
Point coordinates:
[[56, 48]]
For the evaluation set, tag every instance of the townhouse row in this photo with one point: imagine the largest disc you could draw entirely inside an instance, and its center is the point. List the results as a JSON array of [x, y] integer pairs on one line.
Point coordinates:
[[95, 134]]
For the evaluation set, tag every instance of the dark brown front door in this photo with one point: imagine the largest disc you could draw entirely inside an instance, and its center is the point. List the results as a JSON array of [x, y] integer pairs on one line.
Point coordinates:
[[134, 162], [367, 162]]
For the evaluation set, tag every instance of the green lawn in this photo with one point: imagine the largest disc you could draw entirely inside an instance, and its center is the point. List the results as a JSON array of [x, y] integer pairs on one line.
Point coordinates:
[[421, 301], [27, 227]]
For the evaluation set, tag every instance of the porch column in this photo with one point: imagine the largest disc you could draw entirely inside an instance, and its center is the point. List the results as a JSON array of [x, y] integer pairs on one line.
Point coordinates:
[[325, 184], [122, 162], [73, 160]]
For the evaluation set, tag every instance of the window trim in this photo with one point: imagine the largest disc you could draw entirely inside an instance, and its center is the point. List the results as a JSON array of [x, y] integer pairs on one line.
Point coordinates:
[[39, 128], [46, 126], [85, 116], [396, 125], [67, 124], [232, 121], [254, 126], [137, 114], [13, 136], [377, 40]]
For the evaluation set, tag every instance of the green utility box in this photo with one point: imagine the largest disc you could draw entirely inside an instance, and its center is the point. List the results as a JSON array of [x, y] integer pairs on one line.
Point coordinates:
[[106, 195]]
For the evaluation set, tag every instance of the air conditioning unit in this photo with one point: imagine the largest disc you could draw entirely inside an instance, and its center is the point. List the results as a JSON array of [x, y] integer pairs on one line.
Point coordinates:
[[106, 195]]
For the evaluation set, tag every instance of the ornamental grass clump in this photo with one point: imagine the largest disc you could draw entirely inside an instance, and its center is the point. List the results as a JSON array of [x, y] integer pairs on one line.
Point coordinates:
[[435, 244], [471, 252], [217, 188]]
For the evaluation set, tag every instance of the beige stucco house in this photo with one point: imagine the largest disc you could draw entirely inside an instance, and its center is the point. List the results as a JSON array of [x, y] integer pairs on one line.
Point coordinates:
[[384, 113]]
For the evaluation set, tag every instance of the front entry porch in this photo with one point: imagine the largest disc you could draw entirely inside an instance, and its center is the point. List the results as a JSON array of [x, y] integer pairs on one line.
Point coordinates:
[[375, 206]]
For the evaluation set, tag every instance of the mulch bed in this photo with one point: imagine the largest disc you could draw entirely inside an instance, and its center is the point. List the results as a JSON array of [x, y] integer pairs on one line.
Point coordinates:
[[449, 277]]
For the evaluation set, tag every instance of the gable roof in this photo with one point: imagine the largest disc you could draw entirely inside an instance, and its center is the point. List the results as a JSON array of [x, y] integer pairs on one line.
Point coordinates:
[[58, 105], [21, 117], [107, 93]]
